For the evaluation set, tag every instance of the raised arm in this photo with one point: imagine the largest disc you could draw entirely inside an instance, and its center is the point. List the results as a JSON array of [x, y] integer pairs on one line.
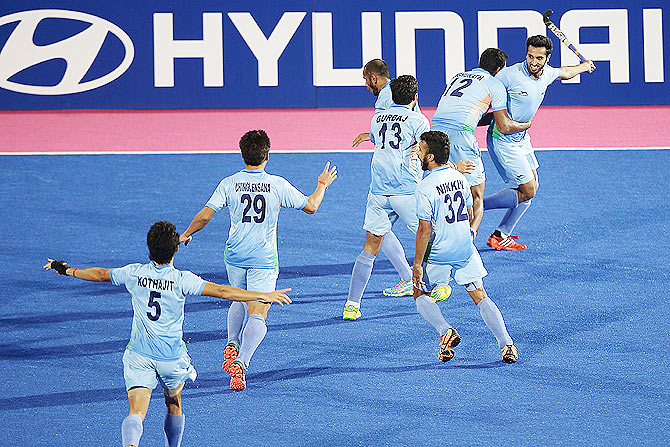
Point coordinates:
[[505, 124], [98, 274], [422, 238], [234, 294], [572, 71], [327, 177], [198, 223]]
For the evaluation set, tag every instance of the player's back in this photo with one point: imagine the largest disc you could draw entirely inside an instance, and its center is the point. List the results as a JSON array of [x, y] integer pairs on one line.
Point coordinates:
[[394, 170], [158, 297], [466, 98], [443, 197], [254, 199]]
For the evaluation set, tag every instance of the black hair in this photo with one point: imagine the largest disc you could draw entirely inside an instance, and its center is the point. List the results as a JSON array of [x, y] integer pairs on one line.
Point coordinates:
[[403, 89], [540, 41], [377, 67], [163, 241], [438, 145], [492, 59], [255, 146]]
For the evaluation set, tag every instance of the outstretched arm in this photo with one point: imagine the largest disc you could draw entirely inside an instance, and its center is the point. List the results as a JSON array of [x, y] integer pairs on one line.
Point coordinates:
[[90, 274], [422, 238], [505, 124], [572, 71], [327, 177], [365, 136], [234, 294], [198, 223]]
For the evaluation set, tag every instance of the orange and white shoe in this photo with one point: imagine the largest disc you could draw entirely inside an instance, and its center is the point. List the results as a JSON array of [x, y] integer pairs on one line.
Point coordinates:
[[238, 380], [509, 354], [229, 355], [506, 243], [449, 340]]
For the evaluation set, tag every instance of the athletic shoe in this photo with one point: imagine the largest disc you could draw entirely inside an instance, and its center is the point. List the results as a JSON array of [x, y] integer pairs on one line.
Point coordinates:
[[509, 354], [351, 312], [229, 354], [450, 340], [507, 243], [401, 289], [440, 293], [238, 380]]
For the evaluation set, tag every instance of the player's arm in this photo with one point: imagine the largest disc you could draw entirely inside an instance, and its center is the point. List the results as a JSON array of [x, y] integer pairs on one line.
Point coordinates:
[[327, 177], [365, 136], [98, 274], [198, 223], [570, 72], [234, 294], [422, 238], [505, 124]]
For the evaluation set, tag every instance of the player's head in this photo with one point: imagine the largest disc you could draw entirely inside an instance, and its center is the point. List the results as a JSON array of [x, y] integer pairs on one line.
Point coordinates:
[[434, 147], [538, 51], [255, 146], [163, 242], [493, 60], [404, 89], [376, 74]]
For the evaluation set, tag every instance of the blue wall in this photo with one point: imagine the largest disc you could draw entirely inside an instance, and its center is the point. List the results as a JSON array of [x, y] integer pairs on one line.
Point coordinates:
[[46, 49]]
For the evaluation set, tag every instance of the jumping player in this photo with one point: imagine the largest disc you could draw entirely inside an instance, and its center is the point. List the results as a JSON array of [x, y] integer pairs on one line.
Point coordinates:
[[156, 352], [512, 154], [442, 199], [395, 172], [253, 198]]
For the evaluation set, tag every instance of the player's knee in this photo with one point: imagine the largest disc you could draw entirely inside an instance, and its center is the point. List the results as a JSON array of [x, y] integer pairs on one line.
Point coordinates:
[[527, 191]]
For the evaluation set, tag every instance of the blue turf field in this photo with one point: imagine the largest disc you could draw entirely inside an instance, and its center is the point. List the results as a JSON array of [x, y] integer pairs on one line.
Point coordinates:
[[586, 306]]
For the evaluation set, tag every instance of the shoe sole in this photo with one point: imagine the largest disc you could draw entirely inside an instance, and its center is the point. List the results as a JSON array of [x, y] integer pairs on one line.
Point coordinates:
[[397, 294], [351, 318], [510, 357], [229, 355], [237, 379], [451, 343]]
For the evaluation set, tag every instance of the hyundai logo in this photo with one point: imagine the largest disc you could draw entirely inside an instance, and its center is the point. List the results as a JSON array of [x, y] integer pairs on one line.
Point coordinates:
[[78, 51]]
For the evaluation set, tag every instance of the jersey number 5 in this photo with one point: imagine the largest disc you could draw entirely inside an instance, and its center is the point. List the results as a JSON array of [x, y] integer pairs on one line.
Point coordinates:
[[259, 206], [153, 296]]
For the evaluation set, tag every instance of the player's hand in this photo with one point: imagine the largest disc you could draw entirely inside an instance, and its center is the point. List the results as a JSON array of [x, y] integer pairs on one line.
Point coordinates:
[[328, 175], [465, 166], [361, 138], [590, 66], [60, 266], [417, 281], [185, 239], [278, 296]]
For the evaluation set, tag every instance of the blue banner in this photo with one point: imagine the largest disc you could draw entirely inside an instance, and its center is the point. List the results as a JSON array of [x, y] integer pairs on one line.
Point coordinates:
[[211, 54]]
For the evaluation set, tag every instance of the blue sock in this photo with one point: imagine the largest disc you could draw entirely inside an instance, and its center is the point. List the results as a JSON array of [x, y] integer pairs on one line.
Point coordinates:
[[131, 430], [431, 312], [236, 314], [507, 198], [174, 429], [512, 217], [494, 321], [252, 336], [393, 250], [360, 276]]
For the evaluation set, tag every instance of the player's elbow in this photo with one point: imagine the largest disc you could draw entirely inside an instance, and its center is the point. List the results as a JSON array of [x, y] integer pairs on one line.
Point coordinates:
[[310, 207]]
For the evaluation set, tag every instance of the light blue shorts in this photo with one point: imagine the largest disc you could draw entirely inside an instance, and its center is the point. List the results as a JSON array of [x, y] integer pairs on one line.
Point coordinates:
[[382, 211], [463, 146], [139, 370], [515, 161], [463, 272], [254, 279]]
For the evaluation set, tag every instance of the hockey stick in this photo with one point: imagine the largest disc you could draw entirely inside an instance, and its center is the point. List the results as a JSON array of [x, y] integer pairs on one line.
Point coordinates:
[[554, 29]]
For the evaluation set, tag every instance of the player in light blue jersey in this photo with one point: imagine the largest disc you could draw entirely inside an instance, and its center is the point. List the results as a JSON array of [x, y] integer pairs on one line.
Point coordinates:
[[443, 207], [512, 154], [156, 352], [253, 198], [395, 172], [467, 97]]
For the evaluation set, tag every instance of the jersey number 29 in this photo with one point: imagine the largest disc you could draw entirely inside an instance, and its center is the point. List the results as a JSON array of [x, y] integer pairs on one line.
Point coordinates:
[[258, 204]]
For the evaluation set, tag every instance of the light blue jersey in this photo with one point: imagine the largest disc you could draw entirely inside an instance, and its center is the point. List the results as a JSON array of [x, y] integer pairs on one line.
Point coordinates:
[[443, 197], [158, 296], [466, 98], [254, 199], [394, 170], [385, 99], [524, 95]]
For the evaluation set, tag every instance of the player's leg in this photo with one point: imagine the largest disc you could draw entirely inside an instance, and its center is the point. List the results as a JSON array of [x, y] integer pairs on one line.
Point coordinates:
[[258, 280], [403, 207], [139, 373], [377, 224], [237, 313], [172, 376], [464, 147], [470, 275], [477, 207], [431, 312]]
